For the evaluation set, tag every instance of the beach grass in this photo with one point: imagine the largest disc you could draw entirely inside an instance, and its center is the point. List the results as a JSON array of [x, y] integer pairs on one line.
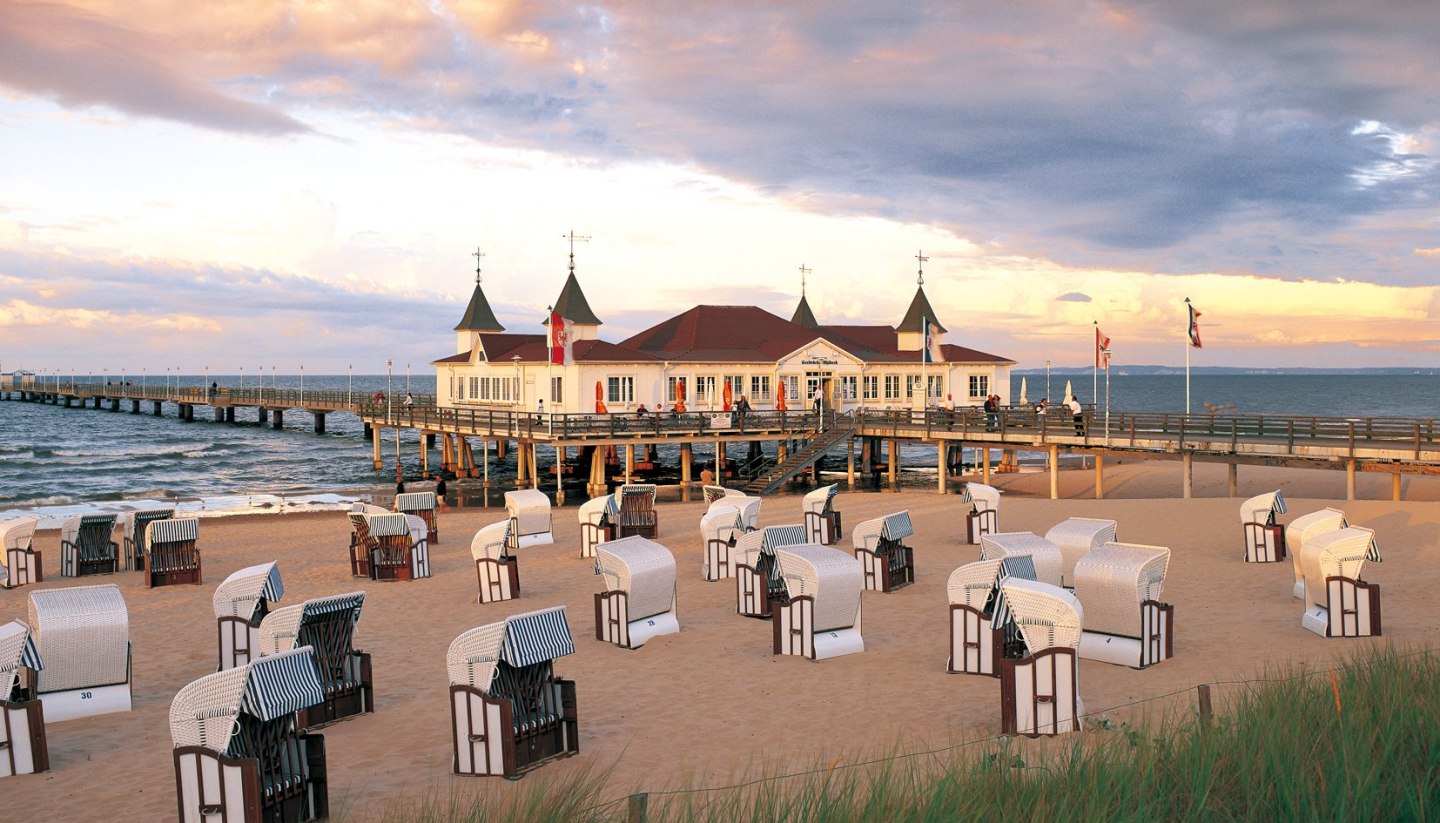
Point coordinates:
[[1359, 742]]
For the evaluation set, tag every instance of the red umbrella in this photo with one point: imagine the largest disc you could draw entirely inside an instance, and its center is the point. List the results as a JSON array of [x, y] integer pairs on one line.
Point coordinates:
[[600, 399], [680, 396], [726, 397], [780, 398]]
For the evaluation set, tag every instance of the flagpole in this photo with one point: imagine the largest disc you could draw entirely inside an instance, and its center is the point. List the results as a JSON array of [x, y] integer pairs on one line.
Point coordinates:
[[1107, 399], [1187, 356], [1095, 367], [550, 379], [924, 356]]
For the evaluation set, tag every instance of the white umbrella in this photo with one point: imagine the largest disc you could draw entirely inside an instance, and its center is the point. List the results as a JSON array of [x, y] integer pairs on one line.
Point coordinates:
[[1068, 393], [1023, 400]]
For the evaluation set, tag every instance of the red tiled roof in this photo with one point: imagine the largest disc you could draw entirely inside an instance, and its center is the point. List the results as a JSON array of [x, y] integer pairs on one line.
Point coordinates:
[[535, 348], [462, 357]]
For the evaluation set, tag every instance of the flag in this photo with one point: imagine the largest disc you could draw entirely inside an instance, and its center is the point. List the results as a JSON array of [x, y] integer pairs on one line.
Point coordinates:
[[1194, 326], [930, 352], [561, 351], [1102, 349], [925, 349]]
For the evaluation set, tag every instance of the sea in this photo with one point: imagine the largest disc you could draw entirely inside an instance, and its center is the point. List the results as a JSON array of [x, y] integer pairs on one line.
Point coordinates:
[[56, 462]]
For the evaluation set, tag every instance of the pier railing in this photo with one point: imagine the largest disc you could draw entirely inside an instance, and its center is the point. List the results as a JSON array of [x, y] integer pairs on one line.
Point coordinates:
[[510, 423], [324, 399]]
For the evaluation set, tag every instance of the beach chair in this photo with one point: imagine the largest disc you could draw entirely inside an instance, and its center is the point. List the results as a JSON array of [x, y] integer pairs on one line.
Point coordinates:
[[639, 598], [713, 493], [976, 644], [399, 552], [1119, 584], [888, 563], [1264, 538], [509, 712], [1040, 691], [637, 511], [86, 547], [422, 505], [1045, 554], [327, 625], [749, 508], [362, 543], [822, 520], [170, 553], [984, 515], [529, 511], [720, 527], [1076, 536], [1303, 528], [240, 754], [597, 523], [23, 748], [1337, 602], [819, 617], [757, 578], [131, 526], [20, 563], [496, 571], [241, 602], [83, 635]]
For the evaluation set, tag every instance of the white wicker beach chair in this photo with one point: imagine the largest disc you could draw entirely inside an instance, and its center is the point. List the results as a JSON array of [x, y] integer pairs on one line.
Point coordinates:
[[976, 644], [131, 528], [757, 578], [241, 602], [509, 712], [23, 748], [424, 506], [327, 625], [170, 553], [984, 515], [1264, 538], [598, 516], [1337, 602], [637, 511], [398, 553], [497, 572], [639, 600], [83, 634], [1303, 528], [822, 521], [1076, 536], [1119, 585], [749, 509], [20, 563], [888, 563], [1047, 557], [239, 752], [529, 511], [1040, 692], [820, 616], [86, 547], [720, 527]]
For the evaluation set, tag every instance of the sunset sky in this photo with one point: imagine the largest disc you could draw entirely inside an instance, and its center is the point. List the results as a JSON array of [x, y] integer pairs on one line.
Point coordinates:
[[236, 184]]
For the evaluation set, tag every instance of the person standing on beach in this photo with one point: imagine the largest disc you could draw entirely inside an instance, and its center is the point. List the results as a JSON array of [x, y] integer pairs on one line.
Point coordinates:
[[440, 492], [399, 482], [1078, 413]]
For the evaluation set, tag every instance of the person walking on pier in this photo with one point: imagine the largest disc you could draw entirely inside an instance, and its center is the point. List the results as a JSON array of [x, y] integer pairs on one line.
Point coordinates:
[[409, 400], [1078, 413]]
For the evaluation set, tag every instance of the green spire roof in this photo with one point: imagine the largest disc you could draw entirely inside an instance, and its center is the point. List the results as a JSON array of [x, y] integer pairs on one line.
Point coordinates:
[[478, 315], [803, 315], [572, 305], [919, 307]]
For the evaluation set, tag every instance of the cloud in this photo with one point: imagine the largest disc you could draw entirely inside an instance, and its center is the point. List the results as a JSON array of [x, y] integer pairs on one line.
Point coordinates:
[[1073, 297]]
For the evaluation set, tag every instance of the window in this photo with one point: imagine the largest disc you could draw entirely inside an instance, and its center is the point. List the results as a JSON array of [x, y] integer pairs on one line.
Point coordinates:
[[557, 390], [912, 382], [672, 389], [936, 386], [620, 390], [461, 395], [847, 386], [892, 387], [736, 382], [792, 392], [474, 387], [760, 388], [704, 390], [979, 386], [872, 387]]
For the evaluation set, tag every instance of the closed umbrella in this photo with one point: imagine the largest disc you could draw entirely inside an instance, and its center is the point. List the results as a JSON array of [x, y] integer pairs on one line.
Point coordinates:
[[780, 397], [1068, 393], [1024, 401], [726, 397], [680, 396], [600, 399]]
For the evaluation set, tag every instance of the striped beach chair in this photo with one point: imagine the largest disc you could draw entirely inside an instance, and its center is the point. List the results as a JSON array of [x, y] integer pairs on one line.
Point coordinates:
[[1303, 528], [976, 644], [888, 563], [241, 603], [1337, 602], [83, 635], [170, 553], [23, 748], [496, 570], [1075, 537], [509, 711], [1119, 585], [362, 543], [86, 547], [819, 617], [1039, 688], [327, 625], [637, 511], [639, 598], [720, 527], [757, 577], [713, 493], [400, 552], [1046, 556], [597, 522], [822, 520], [1264, 538], [422, 505], [131, 526], [239, 753], [530, 520], [20, 563], [984, 515]]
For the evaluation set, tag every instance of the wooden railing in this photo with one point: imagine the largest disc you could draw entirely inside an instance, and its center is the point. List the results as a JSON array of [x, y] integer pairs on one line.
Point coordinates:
[[512, 423]]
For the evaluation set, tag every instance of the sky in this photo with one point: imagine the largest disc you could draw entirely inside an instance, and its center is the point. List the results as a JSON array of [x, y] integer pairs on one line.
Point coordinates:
[[283, 184]]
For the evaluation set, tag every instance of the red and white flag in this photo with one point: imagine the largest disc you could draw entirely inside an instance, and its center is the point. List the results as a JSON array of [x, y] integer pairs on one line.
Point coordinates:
[[1102, 349], [562, 352], [1194, 324]]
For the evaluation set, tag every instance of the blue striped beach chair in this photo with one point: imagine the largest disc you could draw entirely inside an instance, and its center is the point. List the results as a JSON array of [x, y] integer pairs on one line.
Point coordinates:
[[757, 576], [241, 603], [327, 625], [1338, 603], [86, 547], [20, 562], [1039, 689], [171, 555], [888, 563], [23, 748]]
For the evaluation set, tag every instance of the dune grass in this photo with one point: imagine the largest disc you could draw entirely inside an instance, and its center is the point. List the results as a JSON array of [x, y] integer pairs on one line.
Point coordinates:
[[1361, 743]]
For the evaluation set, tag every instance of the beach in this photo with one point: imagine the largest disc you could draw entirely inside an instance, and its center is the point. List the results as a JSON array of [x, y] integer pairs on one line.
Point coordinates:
[[712, 705]]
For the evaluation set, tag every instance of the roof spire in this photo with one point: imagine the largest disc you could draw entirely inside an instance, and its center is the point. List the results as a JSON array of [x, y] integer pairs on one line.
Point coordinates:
[[477, 254], [572, 237], [920, 255], [803, 271], [478, 315]]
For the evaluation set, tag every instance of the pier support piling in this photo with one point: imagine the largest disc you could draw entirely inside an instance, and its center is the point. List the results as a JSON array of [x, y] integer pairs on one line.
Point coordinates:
[[319, 422], [850, 463], [1350, 479], [279, 421], [263, 414], [941, 470], [1054, 472], [219, 414], [1099, 476], [1188, 463], [229, 414], [157, 404], [687, 458], [374, 447], [1232, 479], [1395, 487], [134, 406]]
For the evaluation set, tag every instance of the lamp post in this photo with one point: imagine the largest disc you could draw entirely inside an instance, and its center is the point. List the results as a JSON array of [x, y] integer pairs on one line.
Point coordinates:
[[1047, 382], [302, 384], [407, 379], [389, 367], [350, 385], [519, 392]]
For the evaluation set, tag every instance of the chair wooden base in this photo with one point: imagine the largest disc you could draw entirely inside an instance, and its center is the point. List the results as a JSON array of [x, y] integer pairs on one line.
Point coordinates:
[[975, 646], [981, 523], [23, 749], [718, 562], [1354, 610], [359, 558], [486, 741], [613, 623], [498, 579], [887, 570], [793, 627], [356, 696], [22, 567], [211, 786], [1155, 644], [172, 564], [822, 528], [74, 564], [647, 530], [752, 592], [239, 641], [1040, 694], [1264, 544], [592, 534], [400, 560]]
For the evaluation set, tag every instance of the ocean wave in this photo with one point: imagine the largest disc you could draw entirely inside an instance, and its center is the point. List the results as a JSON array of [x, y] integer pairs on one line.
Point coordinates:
[[53, 500]]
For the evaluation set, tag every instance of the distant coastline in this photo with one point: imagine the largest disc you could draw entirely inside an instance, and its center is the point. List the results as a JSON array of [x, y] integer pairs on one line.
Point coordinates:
[[1233, 370]]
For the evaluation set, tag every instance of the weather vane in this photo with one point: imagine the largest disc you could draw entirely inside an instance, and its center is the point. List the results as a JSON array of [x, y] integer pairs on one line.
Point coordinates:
[[803, 271], [477, 254], [572, 237], [920, 255]]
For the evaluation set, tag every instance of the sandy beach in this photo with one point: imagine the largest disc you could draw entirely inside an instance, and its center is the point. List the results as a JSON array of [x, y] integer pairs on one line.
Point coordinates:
[[711, 703]]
